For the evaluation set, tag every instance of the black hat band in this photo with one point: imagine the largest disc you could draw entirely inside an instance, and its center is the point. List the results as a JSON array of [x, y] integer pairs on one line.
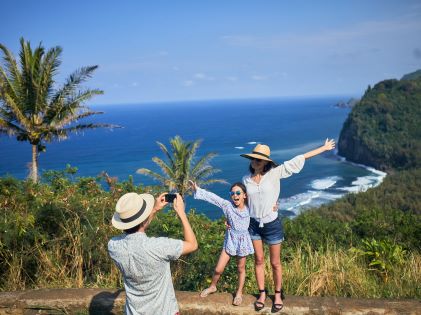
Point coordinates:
[[262, 154], [137, 215]]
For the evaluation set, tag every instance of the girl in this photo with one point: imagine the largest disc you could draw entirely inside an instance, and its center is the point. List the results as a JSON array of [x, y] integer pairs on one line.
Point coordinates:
[[237, 240]]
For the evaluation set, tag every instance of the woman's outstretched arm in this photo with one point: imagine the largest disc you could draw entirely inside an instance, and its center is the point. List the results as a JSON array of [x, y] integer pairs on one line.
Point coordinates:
[[329, 145]]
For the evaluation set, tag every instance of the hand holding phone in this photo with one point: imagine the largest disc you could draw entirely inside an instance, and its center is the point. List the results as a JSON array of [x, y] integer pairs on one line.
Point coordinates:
[[170, 197]]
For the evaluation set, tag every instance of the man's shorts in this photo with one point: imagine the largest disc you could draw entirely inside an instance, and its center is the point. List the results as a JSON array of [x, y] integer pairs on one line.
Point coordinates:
[[271, 233]]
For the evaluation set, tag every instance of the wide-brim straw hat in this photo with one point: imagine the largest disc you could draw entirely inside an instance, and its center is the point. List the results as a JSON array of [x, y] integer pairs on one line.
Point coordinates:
[[261, 152], [132, 209]]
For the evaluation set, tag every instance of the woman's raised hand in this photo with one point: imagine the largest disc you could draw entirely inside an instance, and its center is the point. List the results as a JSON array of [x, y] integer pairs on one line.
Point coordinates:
[[193, 185], [329, 144]]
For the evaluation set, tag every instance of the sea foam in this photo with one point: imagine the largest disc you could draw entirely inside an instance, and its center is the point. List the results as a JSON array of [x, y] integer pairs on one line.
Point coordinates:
[[323, 190], [324, 183], [308, 199]]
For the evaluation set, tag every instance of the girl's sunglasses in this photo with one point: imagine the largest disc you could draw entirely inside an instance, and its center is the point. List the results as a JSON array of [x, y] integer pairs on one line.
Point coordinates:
[[238, 193]]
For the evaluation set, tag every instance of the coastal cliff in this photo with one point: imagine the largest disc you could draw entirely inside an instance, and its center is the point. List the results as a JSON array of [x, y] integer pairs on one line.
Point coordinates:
[[383, 129]]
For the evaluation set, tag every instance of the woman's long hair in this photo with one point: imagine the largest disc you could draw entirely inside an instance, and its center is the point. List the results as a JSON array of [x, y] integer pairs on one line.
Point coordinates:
[[266, 169]]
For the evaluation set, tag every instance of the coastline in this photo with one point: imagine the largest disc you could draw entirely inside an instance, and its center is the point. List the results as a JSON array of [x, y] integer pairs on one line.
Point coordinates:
[[326, 190]]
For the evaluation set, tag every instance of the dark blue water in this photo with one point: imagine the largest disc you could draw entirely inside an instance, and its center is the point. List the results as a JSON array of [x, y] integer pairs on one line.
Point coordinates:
[[229, 128]]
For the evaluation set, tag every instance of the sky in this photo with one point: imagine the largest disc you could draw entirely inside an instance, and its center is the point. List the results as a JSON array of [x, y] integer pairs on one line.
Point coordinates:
[[155, 51]]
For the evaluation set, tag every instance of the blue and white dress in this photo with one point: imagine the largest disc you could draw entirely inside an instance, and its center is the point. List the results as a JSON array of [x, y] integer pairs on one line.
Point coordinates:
[[237, 240]]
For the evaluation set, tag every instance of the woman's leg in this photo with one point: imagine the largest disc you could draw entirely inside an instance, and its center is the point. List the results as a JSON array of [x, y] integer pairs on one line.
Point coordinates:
[[259, 268], [275, 261], [241, 267]]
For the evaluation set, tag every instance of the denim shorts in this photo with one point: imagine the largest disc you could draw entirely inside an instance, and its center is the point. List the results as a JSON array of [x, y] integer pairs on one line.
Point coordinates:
[[271, 233]]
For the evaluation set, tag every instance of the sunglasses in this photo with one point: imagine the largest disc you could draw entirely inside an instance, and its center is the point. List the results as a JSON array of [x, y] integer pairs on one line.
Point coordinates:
[[238, 193], [257, 160]]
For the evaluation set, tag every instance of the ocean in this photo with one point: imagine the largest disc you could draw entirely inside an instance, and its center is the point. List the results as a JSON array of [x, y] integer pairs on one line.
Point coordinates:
[[290, 126]]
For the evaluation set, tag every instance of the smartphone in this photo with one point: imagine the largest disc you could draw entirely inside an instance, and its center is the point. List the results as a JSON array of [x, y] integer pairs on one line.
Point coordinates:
[[170, 197]]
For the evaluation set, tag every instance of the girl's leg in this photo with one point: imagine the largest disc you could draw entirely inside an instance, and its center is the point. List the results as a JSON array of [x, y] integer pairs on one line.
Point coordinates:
[[219, 269], [275, 261], [259, 268], [241, 267]]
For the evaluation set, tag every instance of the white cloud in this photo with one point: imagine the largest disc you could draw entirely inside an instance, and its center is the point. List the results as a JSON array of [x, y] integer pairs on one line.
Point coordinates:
[[259, 77], [188, 83], [202, 76]]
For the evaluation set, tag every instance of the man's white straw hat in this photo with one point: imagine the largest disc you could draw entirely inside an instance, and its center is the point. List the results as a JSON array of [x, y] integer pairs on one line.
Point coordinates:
[[132, 209]]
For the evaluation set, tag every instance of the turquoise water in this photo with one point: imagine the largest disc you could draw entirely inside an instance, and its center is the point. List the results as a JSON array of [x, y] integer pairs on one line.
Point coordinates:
[[229, 128]]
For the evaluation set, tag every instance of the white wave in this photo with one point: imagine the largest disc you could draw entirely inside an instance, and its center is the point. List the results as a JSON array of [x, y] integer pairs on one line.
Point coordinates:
[[366, 182], [324, 183], [317, 196], [354, 189], [302, 201], [362, 183], [239, 148], [252, 142]]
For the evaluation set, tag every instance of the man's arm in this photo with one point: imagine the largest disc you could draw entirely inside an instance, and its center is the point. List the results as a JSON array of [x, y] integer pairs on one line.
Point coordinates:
[[190, 242]]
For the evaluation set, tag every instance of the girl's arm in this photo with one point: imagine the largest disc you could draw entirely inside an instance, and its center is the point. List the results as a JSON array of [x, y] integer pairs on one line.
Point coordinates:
[[205, 195], [329, 145]]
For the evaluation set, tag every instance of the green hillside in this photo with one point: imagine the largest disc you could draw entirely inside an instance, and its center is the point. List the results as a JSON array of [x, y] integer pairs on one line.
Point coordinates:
[[383, 129], [412, 76]]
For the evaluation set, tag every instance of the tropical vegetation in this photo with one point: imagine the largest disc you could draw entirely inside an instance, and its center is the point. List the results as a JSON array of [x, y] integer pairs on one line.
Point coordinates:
[[55, 234], [33, 108], [182, 165]]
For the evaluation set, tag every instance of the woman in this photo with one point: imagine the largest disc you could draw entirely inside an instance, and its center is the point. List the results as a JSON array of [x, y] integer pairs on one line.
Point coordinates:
[[263, 188]]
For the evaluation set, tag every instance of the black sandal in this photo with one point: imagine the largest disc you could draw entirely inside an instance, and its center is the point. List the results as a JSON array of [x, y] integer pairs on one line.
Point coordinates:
[[258, 306], [276, 307]]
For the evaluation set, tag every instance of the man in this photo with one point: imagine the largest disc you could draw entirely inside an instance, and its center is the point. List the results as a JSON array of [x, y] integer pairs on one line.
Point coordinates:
[[145, 261]]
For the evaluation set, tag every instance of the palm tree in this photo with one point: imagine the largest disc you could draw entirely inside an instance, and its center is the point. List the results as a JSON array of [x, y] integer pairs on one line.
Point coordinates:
[[182, 167], [32, 108]]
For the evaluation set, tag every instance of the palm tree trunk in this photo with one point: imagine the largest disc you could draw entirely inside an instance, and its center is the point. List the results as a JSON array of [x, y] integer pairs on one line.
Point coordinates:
[[34, 166]]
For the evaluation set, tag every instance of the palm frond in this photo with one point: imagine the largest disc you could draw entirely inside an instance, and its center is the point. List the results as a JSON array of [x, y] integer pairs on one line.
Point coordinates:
[[212, 181], [203, 161], [9, 128], [89, 126], [167, 154], [206, 172], [45, 80], [72, 82], [69, 106], [16, 112], [156, 176], [72, 118], [165, 168], [27, 84], [11, 73]]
